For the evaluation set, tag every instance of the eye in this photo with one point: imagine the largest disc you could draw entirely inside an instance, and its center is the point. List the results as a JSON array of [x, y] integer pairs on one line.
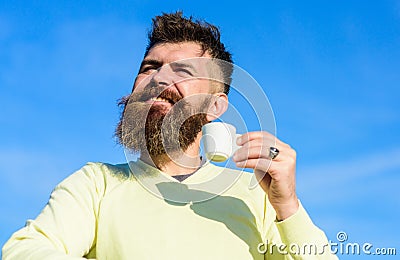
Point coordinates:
[[147, 69], [182, 72]]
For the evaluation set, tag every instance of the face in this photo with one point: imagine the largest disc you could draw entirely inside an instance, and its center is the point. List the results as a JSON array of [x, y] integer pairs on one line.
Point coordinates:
[[176, 67], [166, 90]]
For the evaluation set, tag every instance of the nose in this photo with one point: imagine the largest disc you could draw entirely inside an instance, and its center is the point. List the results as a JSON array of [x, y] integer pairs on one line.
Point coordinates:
[[163, 76]]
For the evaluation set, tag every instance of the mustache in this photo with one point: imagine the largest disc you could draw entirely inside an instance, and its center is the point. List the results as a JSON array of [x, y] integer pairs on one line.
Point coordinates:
[[154, 91]]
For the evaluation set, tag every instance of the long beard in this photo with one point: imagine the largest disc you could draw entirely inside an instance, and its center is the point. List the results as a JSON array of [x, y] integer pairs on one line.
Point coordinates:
[[154, 130]]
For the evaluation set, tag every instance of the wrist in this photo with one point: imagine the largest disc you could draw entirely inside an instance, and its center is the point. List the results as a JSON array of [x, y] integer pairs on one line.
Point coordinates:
[[286, 210]]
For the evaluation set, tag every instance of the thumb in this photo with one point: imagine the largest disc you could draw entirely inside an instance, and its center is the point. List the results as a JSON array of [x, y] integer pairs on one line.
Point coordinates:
[[263, 178]]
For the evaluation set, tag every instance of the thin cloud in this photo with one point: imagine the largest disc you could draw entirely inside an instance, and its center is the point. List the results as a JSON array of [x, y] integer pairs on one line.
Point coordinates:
[[362, 166], [348, 196]]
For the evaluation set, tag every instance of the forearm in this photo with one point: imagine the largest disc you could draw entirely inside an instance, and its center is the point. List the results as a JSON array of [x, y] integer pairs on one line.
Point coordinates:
[[27, 246], [302, 239], [65, 229]]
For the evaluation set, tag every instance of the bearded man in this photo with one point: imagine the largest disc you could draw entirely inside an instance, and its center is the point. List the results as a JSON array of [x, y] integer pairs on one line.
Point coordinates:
[[108, 211]]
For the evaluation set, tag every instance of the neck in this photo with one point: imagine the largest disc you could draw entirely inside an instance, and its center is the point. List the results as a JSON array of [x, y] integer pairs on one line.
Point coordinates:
[[181, 162]]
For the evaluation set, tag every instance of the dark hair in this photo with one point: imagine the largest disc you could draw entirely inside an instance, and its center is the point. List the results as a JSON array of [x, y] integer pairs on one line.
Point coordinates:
[[174, 28]]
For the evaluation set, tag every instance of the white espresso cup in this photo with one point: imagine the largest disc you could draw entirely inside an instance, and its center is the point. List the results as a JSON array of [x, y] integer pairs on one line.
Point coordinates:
[[219, 141]]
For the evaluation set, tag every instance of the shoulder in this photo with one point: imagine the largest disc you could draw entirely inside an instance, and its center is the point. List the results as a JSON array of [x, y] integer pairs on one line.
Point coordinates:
[[97, 176], [120, 171], [103, 170]]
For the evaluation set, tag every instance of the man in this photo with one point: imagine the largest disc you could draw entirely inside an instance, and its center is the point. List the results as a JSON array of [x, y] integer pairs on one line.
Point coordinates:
[[111, 212]]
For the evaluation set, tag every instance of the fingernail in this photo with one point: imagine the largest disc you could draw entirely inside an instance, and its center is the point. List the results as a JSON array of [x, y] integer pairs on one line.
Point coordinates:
[[240, 163], [234, 157]]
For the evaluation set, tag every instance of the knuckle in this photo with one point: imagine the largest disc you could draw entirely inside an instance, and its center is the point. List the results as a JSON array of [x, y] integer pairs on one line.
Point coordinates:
[[287, 168], [292, 153], [292, 159]]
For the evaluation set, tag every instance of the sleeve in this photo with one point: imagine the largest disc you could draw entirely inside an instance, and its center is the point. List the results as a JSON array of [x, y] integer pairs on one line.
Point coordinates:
[[66, 227], [302, 239]]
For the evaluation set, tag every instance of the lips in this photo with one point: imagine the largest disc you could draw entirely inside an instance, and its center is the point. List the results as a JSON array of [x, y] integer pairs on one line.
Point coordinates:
[[166, 96], [154, 95]]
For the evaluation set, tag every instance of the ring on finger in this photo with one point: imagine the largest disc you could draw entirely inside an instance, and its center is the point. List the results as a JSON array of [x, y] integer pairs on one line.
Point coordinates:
[[273, 152]]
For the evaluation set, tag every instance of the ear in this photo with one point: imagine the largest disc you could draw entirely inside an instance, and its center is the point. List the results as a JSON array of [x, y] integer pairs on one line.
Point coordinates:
[[218, 106]]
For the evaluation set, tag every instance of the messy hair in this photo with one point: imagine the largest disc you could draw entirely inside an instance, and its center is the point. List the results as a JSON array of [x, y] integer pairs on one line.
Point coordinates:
[[175, 28]]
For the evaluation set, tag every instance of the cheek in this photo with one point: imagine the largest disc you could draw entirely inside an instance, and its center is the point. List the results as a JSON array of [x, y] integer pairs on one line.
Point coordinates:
[[193, 87], [196, 93], [141, 81]]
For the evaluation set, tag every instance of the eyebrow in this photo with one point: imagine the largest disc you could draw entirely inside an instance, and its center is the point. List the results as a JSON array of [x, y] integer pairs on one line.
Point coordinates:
[[152, 62], [159, 64]]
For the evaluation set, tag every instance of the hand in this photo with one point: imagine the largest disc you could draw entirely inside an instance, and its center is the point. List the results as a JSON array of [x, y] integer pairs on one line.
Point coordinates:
[[276, 177]]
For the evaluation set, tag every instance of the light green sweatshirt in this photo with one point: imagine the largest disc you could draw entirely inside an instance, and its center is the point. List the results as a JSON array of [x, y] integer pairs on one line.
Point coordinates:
[[102, 211]]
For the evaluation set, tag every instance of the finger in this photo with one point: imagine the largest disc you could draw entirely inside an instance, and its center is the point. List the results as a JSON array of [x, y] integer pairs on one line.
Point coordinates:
[[277, 170], [263, 179], [248, 156], [249, 152], [254, 150], [267, 138], [259, 164], [254, 136]]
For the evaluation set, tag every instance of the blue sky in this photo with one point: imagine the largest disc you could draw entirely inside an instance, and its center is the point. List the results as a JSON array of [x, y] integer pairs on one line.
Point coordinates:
[[329, 68]]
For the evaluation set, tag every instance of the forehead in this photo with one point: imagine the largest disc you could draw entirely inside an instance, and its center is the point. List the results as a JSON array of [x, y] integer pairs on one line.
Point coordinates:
[[170, 52]]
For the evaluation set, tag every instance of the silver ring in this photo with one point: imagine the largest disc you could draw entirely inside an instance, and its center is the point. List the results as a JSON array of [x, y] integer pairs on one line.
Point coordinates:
[[273, 152]]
